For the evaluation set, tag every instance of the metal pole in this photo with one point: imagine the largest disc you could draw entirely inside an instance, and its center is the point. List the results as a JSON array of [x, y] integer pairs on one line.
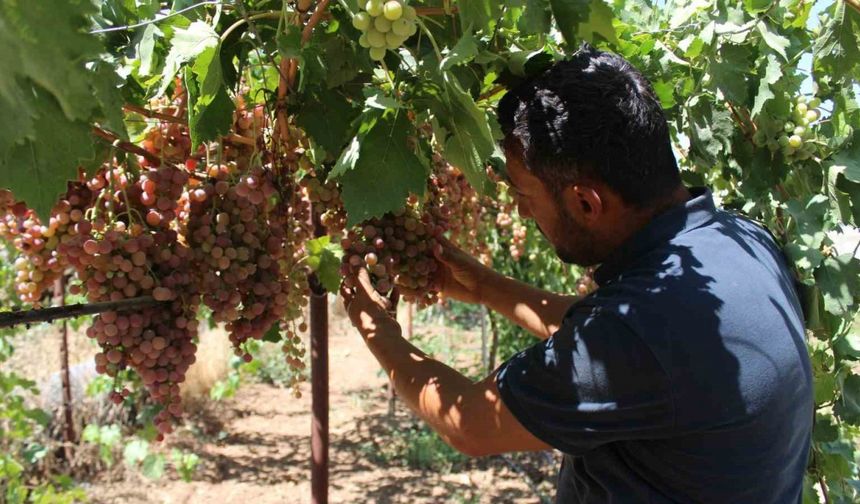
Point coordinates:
[[68, 427], [319, 385]]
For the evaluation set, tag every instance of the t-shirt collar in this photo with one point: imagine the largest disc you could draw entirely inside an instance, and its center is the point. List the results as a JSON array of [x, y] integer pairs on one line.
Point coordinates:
[[696, 212]]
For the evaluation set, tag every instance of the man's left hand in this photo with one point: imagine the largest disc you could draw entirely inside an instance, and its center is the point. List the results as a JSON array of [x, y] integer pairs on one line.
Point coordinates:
[[368, 310]]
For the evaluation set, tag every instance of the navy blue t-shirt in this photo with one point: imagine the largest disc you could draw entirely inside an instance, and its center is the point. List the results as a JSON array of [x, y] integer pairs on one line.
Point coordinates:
[[683, 378]]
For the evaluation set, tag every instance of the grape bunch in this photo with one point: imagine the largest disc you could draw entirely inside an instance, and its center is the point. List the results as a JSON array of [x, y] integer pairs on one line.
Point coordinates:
[[397, 249], [385, 25], [794, 136], [116, 257], [241, 250], [41, 260], [327, 203]]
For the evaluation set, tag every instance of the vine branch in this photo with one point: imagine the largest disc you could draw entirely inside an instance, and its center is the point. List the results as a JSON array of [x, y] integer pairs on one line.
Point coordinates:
[[13, 318], [126, 146]]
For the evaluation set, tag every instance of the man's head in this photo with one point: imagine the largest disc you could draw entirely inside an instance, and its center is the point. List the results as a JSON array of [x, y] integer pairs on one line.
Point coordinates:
[[588, 152]]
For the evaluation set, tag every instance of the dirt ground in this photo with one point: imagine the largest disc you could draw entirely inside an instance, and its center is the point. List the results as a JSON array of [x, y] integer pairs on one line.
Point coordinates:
[[263, 452]]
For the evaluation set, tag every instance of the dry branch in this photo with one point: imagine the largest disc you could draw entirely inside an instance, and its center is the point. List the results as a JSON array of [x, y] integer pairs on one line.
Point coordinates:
[[9, 319]]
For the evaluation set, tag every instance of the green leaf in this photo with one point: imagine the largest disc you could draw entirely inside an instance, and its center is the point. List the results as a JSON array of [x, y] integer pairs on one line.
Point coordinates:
[[385, 172], [326, 116], [135, 451], [568, 15], [47, 42], [729, 78], [37, 170], [772, 75], [106, 89], [187, 44], [153, 466], [210, 109], [536, 17], [849, 159], [774, 40], [849, 405], [463, 52], [145, 48], [273, 335], [599, 23], [838, 279], [757, 6], [836, 49], [324, 258], [471, 142], [479, 14]]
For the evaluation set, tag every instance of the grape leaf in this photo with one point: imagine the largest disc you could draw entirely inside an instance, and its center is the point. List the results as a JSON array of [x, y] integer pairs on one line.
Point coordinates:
[[106, 89], [479, 14], [599, 23], [326, 116], [774, 40], [757, 6], [210, 109], [568, 15], [772, 74], [37, 170], [385, 172], [47, 42], [849, 159], [324, 258], [836, 49], [536, 17], [463, 52], [187, 44], [145, 48], [470, 143], [838, 278]]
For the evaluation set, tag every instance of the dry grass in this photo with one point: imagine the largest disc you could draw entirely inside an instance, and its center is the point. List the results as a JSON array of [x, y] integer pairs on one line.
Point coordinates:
[[212, 364]]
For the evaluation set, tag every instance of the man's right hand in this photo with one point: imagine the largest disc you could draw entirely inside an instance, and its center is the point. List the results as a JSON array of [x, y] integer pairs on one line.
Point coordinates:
[[460, 276]]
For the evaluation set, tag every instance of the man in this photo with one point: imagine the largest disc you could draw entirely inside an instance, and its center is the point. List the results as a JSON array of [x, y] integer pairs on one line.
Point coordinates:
[[684, 377]]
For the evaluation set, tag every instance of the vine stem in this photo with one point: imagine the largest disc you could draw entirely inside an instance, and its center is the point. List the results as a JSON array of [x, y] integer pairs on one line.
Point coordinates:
[[13, 318], [129, 147]]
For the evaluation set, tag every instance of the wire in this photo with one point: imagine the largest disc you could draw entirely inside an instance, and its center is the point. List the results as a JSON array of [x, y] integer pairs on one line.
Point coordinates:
[[151, 21]]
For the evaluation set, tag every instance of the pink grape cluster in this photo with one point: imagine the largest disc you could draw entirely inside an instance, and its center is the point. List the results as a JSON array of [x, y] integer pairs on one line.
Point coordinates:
[[41, 262], [241, 251], [397, 249]]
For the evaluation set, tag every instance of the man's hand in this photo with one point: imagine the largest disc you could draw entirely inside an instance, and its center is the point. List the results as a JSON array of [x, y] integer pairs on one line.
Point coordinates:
[[460, 276], [368, 310]]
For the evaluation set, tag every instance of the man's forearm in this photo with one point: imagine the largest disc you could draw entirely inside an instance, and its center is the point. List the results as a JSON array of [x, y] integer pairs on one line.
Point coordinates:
[[538, 311], [434, 391]]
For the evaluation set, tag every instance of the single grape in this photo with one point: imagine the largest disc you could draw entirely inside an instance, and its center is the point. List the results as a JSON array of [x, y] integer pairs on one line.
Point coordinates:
[[382, 25], [788, 127], [409, 13], [811, 115], [376, 40], [362, 41], [783, 140], [401, 27], [361, 21], [801, 108], [814, 103], [393, 41], [374, 7], [392, 10], [377, 53], [795, 141]]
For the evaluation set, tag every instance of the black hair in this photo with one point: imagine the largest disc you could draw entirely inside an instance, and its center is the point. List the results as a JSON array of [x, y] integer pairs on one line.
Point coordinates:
[[592, 116]]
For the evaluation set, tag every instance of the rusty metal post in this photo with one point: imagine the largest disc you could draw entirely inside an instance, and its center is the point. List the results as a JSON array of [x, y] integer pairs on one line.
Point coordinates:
[[319, 385], [68, 426]]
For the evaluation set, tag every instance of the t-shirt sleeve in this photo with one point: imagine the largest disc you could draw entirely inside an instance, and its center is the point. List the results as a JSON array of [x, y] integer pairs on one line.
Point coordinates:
[[592, 382]]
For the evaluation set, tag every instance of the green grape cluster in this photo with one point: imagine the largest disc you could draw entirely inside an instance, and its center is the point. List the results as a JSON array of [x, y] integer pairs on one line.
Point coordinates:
[[385, 24], [794, 136]]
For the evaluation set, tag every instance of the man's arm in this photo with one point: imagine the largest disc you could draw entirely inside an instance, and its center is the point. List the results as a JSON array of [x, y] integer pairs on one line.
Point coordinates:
[[469, 416], [538, 311]]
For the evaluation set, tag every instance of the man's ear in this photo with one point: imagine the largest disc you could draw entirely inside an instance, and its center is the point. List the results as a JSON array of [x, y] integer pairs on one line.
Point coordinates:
[[583, 202]]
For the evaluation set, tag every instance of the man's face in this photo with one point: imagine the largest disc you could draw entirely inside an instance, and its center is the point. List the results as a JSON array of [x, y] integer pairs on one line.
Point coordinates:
[[573, 242]]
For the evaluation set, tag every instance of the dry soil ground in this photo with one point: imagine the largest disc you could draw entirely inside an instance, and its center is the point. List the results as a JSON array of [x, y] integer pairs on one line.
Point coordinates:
[[263, 452]]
